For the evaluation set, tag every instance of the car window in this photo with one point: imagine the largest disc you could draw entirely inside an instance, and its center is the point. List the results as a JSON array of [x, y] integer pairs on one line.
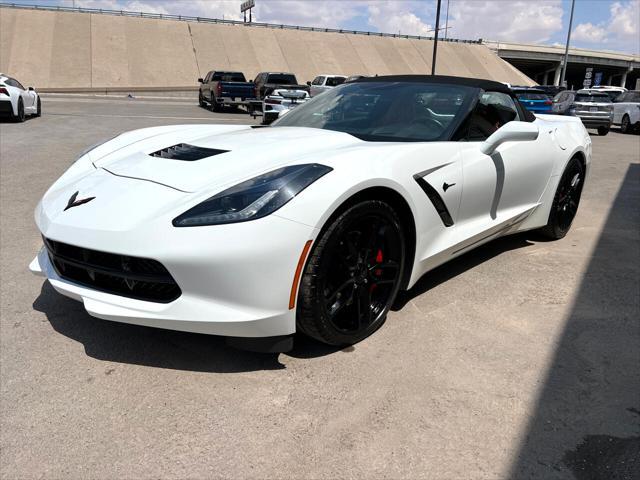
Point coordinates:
[[386, 111], [532, 96], [622, 98], [316, 81], [593, 98], [494, 109], [282, 79], [206, 79], [228, 77], [334, 81]]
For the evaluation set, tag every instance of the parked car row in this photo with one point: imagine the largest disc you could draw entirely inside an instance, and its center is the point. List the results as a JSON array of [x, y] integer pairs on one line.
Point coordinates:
[[597, 107], [269, 94]]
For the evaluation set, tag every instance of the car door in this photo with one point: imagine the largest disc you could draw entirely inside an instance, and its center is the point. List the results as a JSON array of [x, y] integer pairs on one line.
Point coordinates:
[[500, 190], [317, 87], [618, 108], [28, 97]]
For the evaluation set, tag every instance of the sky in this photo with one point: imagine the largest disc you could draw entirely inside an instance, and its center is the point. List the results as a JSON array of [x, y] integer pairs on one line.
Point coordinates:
[[597, 24]]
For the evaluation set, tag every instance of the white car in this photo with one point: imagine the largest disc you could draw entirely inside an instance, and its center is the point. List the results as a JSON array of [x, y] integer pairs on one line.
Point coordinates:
[[613, 92], [323, 83], [626, 111], [16, 101], [312, 224], [281, 101]]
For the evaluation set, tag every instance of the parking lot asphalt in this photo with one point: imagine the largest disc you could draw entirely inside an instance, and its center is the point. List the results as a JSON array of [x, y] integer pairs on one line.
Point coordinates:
[[517, 360]]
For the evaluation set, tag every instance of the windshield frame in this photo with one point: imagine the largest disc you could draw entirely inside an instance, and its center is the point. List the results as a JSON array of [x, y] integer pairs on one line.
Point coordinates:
[[469, 100]]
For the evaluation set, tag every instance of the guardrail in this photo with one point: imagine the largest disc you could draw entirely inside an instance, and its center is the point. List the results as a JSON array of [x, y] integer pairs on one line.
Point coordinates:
[[183, 18]]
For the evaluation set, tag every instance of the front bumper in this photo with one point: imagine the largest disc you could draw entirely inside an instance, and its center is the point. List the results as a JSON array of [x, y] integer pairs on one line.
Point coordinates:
[[595, 121], [235, 279]]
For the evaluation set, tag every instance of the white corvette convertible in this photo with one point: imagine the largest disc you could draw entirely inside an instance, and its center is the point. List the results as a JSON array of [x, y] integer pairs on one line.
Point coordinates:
[[312, 224]]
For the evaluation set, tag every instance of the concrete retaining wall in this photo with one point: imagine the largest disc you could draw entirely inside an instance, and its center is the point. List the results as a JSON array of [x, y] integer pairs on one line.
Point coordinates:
[[66, 50]]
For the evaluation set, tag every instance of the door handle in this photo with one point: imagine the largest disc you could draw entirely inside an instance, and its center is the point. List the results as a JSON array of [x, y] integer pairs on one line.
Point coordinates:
[[446, 186]]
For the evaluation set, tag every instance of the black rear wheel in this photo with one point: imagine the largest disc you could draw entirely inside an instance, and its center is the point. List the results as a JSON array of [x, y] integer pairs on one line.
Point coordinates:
[[20, 117], [624, 125], [353, 275], [39, 108], [602, 131], [566, 201]]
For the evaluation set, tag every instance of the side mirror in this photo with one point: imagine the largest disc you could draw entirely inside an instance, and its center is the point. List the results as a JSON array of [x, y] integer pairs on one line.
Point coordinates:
[[31, 89], [511, 132], [309, 83], [200, 80]]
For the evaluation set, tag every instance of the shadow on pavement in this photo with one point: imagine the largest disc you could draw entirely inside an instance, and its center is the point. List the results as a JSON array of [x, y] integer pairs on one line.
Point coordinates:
[[154, 347], [461, 264], [587, 417]]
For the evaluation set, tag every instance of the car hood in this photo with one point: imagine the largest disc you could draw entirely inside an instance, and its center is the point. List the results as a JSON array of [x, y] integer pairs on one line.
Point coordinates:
[[241, 152]]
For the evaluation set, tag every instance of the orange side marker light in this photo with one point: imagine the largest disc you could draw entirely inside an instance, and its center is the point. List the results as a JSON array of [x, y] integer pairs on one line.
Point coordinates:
[[296, 277]]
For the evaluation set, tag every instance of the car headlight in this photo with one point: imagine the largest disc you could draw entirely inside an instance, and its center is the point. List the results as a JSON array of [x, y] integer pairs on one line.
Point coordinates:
[[254, 198]]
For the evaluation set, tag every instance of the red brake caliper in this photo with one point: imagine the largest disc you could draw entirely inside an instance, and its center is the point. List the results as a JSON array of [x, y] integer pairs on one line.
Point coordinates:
[[378, 271]]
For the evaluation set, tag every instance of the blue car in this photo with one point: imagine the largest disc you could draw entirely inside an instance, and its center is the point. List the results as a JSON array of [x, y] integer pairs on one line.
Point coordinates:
[[534, 100]]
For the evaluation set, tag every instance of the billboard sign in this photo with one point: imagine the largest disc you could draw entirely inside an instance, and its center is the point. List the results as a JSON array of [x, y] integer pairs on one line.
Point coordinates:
[[587, 77], [247, 5], [597, 79]]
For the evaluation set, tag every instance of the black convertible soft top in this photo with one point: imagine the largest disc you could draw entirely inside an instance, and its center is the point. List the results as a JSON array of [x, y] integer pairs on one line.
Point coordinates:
[[445, 79]]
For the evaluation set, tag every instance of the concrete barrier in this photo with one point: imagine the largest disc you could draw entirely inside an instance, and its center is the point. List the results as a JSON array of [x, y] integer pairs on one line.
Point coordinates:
[[72, 50]]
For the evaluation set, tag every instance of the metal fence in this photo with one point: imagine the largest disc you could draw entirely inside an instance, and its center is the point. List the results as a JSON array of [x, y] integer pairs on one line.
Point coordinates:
[[185, 18]]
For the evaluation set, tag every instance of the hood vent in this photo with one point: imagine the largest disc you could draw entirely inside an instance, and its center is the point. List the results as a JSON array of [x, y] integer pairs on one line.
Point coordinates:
[[186, 152]]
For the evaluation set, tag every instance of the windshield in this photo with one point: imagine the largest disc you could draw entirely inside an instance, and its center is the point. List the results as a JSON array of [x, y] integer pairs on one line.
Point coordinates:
[[282, 79], [386, 111], [228, 77], [532, 96], [595, 98], [335, 81]]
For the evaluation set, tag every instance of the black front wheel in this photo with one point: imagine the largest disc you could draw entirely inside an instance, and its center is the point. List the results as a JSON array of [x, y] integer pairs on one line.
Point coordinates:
[[201, 100], [566, 201], [352, 275], [39, 108], [602, 131]]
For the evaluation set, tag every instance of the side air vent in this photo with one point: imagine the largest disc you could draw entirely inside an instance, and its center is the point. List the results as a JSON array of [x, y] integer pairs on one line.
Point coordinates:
[[436, 200], [186, 152]]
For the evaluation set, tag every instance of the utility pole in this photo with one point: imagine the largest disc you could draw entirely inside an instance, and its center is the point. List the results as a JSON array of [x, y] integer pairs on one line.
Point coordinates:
[[566, 50], [446, 22], [435, 40]]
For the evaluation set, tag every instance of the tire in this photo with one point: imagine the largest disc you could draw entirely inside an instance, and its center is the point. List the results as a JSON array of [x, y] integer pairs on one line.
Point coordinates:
[[566, 201], [625, 124], [352, 275], [201, 101], [602, 131], [215, 107], [39, 108], [20, 117]]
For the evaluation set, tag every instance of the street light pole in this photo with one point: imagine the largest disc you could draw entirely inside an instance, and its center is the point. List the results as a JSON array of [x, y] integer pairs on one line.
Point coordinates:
[[435, 40], [566, 50]]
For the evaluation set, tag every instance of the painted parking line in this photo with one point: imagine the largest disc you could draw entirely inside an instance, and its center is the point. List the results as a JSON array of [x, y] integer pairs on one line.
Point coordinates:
[[217, 119]]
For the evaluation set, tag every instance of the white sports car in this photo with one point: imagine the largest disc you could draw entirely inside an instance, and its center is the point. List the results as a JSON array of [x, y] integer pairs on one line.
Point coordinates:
[[16, 101], [312, 224]]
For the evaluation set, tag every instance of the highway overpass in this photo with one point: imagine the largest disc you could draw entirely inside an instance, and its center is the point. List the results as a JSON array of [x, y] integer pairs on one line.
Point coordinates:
[[92, 50], [543, 64]]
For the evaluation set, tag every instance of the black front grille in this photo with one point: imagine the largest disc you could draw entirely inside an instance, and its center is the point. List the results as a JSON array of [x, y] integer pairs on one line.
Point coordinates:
[[133, 277]]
